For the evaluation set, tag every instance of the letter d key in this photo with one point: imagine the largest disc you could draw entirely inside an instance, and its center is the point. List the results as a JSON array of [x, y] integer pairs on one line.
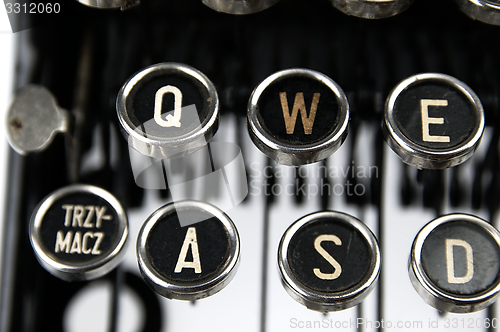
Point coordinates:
[[455, 263]]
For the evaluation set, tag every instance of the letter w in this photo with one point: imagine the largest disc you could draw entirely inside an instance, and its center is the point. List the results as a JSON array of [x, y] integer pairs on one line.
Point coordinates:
[[299, 105]]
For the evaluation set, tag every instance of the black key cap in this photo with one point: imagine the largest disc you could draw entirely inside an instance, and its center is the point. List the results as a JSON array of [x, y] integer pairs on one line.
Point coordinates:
[[79, 232], [188, 262], [455, 263], [239, 7], [372, 8], [433, 121], [110, 4], [328, 261], [298, 116], [168, 110], [487, 11]]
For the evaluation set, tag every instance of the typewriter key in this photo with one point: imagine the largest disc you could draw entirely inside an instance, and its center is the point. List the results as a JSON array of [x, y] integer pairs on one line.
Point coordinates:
[[110, 4], [168, 110], [34, 119], [328, 261], [79, 232], [372, 8], [298, 116], [455, 263], [487, 11], [191, 262], [239, 7], [433, 121]]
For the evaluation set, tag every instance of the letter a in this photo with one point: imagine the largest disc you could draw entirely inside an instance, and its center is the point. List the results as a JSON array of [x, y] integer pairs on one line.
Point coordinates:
[[189, 240], [326, 255], [450, 265]]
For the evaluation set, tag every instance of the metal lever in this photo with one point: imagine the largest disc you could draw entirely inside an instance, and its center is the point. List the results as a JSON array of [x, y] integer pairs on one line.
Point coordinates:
[[34, 118]]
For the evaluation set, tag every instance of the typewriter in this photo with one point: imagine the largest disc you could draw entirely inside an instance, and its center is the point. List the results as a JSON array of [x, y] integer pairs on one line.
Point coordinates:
[[343, 157]]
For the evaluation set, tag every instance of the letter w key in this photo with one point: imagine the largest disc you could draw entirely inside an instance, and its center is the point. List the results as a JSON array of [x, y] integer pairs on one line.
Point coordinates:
[[299, 105]]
